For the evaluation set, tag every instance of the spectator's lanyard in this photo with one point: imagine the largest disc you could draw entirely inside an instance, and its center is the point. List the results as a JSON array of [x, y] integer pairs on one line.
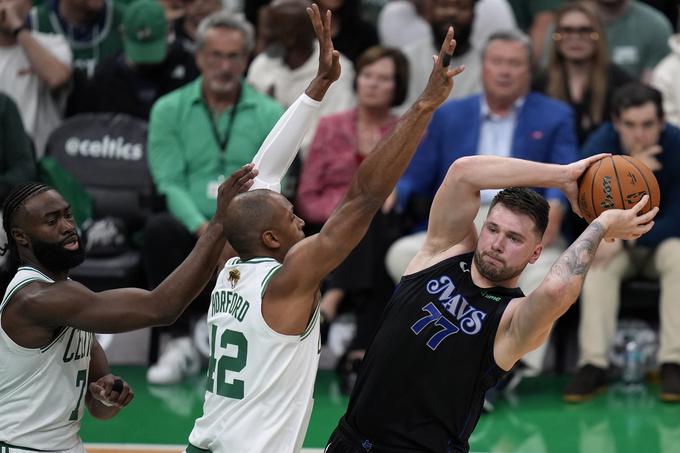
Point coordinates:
[[223, 142]]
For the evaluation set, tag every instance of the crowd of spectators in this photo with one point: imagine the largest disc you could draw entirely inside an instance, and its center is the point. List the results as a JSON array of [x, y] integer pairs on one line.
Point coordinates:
[[550, 80]]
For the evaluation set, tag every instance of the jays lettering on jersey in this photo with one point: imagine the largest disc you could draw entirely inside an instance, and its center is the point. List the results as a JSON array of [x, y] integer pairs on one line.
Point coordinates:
[[422, 384]]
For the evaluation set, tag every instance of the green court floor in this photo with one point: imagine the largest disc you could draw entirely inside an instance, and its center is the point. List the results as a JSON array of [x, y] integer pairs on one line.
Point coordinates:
[[532, 420]]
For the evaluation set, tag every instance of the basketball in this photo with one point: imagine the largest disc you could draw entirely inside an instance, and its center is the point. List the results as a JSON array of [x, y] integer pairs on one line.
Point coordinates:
[[616, 182]]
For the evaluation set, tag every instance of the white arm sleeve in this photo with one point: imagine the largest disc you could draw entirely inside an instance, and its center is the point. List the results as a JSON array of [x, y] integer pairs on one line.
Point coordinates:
[[281, 145]]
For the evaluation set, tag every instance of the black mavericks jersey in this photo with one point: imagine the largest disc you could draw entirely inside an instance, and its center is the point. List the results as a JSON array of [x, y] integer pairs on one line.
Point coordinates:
[[422, 383]]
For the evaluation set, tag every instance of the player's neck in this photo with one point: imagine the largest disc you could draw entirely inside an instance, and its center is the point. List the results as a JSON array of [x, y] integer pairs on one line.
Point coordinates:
[[34, 263], [482, 282]]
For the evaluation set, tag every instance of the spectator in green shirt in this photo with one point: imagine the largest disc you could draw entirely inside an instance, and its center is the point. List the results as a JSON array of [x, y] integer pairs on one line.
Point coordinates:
[[91, 28], [198, 135]]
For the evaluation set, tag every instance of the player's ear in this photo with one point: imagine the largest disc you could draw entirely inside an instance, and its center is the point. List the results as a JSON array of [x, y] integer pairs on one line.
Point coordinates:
[[20, 237], [270, 239], [536, 253]]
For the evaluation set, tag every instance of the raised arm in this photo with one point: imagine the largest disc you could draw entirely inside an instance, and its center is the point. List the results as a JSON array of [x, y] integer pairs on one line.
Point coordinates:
[[68, 303], [283, 142], [311, 259], [527, 321], [457, 201]]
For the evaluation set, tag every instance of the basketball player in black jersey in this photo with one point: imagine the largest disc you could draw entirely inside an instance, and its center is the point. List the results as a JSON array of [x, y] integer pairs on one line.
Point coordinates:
[[457, 321]]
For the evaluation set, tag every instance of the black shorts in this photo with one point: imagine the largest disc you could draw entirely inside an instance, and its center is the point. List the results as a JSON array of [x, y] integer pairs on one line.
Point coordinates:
[[345, 440]]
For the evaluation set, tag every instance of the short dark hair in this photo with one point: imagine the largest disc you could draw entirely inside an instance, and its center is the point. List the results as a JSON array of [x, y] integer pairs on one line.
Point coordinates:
[[249, 214], [16, 198], [636, 94], [401, 69], [521, 200]]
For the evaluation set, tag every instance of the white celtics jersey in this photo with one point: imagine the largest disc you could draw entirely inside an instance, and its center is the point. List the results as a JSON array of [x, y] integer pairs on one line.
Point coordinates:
[[42, 391], [260, 383]]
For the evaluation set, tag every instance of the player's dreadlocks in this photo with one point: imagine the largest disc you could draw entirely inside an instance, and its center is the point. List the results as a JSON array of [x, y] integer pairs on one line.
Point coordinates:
[[16, 198]]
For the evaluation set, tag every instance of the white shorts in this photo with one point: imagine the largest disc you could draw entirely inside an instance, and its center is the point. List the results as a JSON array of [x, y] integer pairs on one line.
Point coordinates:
[[6, 448]]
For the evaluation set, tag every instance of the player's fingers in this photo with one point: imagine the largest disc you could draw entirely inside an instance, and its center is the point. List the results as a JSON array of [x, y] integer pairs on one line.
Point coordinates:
[[122, 396], [640, 204], [647, 216], [314, 16], [448, 45], [242, 172], [130, 396], [455, 71], [327, 27], [588, 161], [95, 388]]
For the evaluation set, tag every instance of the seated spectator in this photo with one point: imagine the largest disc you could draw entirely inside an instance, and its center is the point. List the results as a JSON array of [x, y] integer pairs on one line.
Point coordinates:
[[92, 28], [637, 36], [402, 22], [148, 68], [579, 71], [35, 69], [186, 24], [17, 164], [638, 130], [340, 143], [288, 65], [443, 14], [506, 120], [535, 18], [198, 134], [351, 34], [18, 161], [665, 79]]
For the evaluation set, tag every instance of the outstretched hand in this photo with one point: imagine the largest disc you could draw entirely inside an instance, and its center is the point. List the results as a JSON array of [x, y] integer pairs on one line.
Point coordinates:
[[239, 181], [329, 58], [440, 82], [574, 171]]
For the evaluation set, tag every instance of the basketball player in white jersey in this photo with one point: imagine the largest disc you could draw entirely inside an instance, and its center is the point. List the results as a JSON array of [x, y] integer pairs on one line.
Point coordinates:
[[263, 317], [51, 366]]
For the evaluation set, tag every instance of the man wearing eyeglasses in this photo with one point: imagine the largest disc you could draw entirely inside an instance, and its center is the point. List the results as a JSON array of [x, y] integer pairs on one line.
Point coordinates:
[[197, 135]]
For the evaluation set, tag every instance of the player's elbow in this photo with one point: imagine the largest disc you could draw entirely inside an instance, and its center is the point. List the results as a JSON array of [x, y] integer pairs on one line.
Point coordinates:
[[165, 318], [562, 295], [462, 169]]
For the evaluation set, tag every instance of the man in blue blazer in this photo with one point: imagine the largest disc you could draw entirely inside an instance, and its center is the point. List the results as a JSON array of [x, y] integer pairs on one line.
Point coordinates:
[[506, 120]]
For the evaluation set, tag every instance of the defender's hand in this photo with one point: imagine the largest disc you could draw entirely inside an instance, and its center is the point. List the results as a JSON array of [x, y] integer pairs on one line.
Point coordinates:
[[239, 181], [329, 58], [440, 82]]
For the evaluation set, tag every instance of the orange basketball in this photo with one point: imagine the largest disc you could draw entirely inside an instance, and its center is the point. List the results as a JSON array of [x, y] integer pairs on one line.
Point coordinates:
[[616, 182]]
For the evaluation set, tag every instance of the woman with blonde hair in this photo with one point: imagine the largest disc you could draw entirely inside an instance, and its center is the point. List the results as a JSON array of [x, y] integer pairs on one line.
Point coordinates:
[[579, 71]]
